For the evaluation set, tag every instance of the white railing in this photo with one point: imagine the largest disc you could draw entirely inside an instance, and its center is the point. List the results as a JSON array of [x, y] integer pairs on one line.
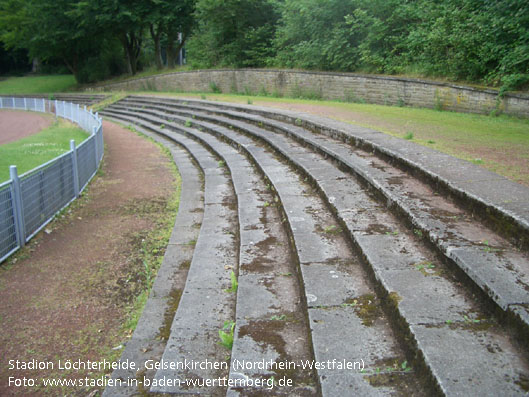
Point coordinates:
[[30, 201]]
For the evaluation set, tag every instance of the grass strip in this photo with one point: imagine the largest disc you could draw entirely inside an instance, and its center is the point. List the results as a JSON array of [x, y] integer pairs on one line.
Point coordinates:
[[497, 143], [32, 151], [37, 84]]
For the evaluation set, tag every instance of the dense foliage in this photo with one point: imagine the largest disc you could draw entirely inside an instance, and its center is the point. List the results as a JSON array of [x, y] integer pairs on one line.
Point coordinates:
[[235, 33], [482, 41], [474, 40]]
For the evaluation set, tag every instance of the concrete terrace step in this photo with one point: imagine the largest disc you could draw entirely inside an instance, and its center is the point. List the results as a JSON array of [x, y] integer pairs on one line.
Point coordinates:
[[320, 258], [490, 261], [436, 309], [81, 99], [269, 317], [204, 306], [505, 204], [150, 336]]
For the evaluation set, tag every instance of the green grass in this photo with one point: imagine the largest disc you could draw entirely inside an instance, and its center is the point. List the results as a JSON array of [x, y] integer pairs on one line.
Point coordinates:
[[37, 84], [32, 151], [499, 144], [115, 97]]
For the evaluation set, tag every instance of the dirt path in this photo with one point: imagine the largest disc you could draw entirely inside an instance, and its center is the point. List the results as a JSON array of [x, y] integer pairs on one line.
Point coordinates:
[[66, 296], [17, 124]]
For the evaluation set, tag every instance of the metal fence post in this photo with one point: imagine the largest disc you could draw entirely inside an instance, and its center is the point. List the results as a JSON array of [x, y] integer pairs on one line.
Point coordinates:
[[101, 144], [75, 168], [85, 118], [96, 149], [17, 206]]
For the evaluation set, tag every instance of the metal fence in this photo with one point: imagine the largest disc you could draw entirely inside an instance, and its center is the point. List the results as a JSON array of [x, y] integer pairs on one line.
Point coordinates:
[[29, 201]]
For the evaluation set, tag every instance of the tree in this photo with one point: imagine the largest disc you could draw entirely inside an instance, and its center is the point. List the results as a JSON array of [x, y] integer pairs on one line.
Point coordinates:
[[180, 21], [124, 19], [233, 32], [167, 22], [312, 33], [13, 61], [47, 29]]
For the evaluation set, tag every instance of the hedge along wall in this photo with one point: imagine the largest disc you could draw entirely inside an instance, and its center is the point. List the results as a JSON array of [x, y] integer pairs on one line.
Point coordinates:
[[384, 90]]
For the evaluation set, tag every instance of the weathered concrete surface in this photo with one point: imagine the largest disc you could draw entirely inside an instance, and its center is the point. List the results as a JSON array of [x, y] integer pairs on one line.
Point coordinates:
[[145, 343], [452, 174], [307, 222], [443, 223], [421, 291]]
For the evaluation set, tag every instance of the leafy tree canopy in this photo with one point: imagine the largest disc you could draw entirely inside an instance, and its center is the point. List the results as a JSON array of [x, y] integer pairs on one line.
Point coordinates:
[[483, 41]]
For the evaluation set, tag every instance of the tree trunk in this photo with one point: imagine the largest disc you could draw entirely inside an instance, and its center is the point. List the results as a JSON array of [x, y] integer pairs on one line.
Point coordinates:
[[132, 47], [35, 65], [125, 43], [157, 49], [172, 50], [72, 66]]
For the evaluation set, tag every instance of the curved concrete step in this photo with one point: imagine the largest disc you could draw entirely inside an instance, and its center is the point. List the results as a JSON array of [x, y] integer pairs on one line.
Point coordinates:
[[335, 319], [503, 203], [497, 267], [149, 338], [81, 99], [204, 306], [388, 280]]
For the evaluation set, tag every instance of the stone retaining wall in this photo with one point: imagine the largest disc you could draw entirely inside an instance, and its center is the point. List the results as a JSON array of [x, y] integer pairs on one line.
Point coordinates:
[[350, 87]]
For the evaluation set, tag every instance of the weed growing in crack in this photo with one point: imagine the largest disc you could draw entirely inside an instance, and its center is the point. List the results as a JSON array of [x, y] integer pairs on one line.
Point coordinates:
[[425, 265], [226, 335], [470, 320], [488, 248], [332, 229], [405, 367], [188, 123], [234, 283]]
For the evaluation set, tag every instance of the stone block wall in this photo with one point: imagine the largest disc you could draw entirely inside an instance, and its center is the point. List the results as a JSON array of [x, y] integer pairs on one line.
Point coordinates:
[[384, 90]]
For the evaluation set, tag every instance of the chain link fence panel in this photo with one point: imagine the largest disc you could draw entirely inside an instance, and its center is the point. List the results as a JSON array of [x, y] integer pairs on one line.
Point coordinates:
[[29, 202]]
